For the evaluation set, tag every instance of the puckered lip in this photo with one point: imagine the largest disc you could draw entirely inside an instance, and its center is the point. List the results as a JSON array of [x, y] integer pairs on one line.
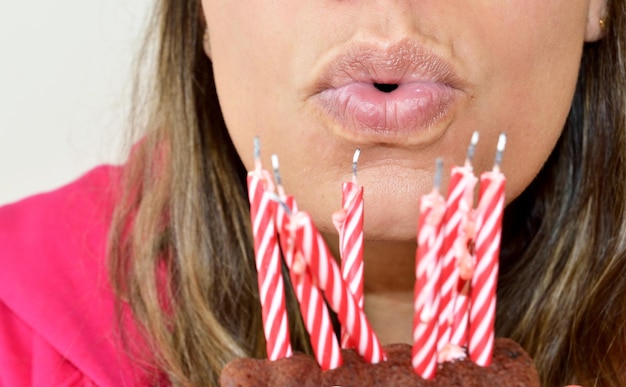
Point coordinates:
[[350, 90]]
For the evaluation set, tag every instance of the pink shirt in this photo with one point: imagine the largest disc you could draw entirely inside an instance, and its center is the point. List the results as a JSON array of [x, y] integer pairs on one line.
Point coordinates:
[[57, 320]]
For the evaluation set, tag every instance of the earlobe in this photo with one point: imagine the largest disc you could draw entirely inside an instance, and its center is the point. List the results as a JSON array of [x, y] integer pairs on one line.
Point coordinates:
[[597, 20], [206, 43]]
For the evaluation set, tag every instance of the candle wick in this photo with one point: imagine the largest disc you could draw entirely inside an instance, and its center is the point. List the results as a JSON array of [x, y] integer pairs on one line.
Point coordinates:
[[499, 151], [355, 160], [438, 173], [257, 153], [277, 177], [276, 168], [472, 147], [257, 147]]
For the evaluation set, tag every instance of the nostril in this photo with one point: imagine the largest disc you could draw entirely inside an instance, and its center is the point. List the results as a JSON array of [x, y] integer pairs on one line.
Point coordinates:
[[386, 87]]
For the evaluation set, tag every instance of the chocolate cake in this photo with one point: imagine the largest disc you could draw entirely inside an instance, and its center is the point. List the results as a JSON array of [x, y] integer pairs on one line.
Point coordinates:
[[511, 366]]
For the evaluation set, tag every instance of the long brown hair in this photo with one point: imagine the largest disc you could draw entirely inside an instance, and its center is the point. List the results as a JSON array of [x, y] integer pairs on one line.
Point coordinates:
[[180, 245], [562, 285]]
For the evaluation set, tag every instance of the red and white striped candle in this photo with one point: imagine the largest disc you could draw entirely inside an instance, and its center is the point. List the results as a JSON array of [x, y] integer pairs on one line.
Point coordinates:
[[268, 262], [314, 311], [465, 261], [459, 203], [312, 306], [349, 223], [487, 246], [327, 275], [426, 291]]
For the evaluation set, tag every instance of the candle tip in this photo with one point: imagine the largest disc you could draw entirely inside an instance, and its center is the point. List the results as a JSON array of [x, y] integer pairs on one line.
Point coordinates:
[[257, 148], [438, 173], [472, 147], [500, 149], [355, 160], [276, 168], [475, 137], [501, 142]]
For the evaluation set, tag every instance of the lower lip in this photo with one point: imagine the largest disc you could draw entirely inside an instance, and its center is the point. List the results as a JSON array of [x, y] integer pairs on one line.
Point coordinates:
[[411, 108]]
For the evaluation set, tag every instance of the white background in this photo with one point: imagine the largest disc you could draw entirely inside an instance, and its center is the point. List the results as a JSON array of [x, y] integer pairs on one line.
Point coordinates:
[[65, 76]]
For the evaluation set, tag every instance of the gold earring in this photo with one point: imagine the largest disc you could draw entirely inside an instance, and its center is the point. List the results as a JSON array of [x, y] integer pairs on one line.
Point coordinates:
[[602, 23], [206, 43]]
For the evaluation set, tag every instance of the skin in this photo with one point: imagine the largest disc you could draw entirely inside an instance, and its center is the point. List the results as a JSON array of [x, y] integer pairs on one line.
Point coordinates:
[[517, 62]]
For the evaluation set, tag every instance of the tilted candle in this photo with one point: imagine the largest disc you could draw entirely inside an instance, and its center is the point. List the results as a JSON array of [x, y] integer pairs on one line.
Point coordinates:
[[268, 262]]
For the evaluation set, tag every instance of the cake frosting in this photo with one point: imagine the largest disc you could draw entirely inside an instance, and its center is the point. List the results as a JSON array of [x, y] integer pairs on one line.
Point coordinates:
[[511, 366]]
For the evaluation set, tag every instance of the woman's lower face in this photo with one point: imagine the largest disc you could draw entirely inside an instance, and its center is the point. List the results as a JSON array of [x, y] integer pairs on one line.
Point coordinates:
[[404, 81]]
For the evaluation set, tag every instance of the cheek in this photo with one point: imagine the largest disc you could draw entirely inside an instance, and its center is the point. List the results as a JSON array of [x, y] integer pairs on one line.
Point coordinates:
[[250, 51], [528, 81]]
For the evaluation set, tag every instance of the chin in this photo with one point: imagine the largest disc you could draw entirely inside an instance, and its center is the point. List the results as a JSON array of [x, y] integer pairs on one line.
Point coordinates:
[[391, 202], [386, 223]]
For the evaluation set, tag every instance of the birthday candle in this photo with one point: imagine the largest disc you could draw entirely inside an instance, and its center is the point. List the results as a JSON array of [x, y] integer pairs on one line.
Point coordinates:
[[458, 207], [489, 230], [349, 223], [458, 203], [312, 307], [426, 292], [268, 263], [314, 312], [327, 275]]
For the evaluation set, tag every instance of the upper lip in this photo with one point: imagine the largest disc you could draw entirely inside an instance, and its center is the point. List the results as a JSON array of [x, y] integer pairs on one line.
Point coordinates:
[[402, 62]]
